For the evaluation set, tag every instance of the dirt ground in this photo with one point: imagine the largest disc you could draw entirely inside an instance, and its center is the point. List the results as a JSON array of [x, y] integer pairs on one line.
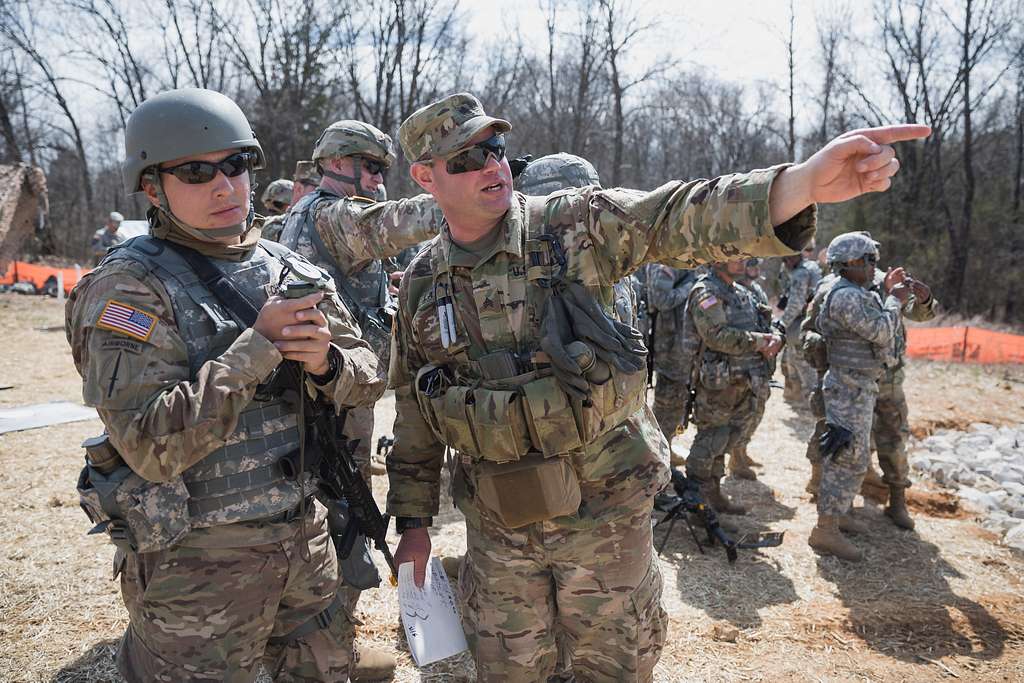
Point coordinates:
[[945, 601]]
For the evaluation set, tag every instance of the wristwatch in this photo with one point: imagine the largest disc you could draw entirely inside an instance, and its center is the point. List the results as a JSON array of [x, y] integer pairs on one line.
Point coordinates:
[[332, 367], [404, 523]]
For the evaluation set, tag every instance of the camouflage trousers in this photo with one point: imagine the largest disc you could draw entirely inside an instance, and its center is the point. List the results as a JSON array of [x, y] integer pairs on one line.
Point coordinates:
[[725, 418], [669, 404], [891, 428], [851, 406], [597, 591], [795, 368], [206, 614]]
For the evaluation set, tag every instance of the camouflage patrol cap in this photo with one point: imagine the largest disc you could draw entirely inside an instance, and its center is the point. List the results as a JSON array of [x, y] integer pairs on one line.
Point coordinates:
[[354, 138], [851, 246], [278, 191], [306, 173], [181, 123], [556, 172], [444, 127]]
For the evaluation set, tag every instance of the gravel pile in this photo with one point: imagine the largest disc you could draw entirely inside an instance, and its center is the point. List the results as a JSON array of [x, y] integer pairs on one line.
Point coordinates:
[[986, 466]]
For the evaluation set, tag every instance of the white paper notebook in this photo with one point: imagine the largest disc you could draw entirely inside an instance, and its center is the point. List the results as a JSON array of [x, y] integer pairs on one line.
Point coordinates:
[[429, 614]]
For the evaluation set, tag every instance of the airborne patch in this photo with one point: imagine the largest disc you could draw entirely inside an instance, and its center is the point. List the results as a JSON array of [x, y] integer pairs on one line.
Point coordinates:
[[127, 320], [708, 303]]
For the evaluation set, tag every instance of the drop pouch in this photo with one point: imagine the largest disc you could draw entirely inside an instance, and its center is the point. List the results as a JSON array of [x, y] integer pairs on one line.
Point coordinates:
[[531, 489]]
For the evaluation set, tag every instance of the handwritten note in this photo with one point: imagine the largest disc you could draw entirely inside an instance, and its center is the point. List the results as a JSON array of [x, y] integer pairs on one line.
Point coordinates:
[[429, 614]]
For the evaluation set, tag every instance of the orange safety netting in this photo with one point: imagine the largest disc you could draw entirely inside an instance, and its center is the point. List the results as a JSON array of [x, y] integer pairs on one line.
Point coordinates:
[[964, 344], [20, 271]]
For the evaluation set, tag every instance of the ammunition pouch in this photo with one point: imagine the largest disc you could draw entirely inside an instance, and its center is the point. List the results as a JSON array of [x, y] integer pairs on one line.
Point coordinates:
[[719, 371], [504, 420], [138, 515], [532, 489]]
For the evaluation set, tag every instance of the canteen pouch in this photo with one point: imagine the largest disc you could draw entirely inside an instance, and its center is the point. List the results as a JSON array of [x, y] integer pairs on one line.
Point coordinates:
[[531, 489], [501, 424], [550, 416], [138, 515]]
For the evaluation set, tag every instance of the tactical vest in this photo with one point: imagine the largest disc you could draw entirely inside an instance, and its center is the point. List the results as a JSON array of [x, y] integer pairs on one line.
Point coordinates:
[[240, 481], [846, 349], [365, 293], [502, 416], [741, 313]]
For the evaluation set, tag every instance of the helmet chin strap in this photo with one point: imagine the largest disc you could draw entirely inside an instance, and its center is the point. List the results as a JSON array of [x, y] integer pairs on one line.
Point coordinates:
[[379, 195], [203, 234]]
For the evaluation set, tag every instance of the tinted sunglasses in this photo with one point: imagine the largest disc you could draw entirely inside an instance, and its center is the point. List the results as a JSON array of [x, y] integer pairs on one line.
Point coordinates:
[[199, 172], [474, 158], [373, 167]]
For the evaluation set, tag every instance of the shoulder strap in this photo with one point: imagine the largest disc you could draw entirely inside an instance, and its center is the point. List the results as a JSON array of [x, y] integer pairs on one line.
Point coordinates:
[[214, 280]]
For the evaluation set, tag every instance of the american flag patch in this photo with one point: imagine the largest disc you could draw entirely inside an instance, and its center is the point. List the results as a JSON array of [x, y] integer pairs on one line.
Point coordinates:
[[128, 320], [708, 303]]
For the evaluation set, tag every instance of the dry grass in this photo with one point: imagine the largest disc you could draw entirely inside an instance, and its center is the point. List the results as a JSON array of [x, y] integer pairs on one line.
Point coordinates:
[[944, 601]]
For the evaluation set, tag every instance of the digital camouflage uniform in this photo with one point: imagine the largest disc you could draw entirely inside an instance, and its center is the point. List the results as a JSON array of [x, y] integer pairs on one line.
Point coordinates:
[[668, 289], [591, 575], [859, 332], [224, 567], [891, 427], [800, 284], [733, 375]]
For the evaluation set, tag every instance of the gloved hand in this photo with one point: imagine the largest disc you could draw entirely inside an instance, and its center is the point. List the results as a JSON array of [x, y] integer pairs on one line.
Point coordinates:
[[834, 439], [556, 334], [614, 342]]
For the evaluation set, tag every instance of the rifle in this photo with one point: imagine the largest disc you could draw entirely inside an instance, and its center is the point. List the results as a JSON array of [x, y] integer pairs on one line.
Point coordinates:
[[688, 501], [384, 445]]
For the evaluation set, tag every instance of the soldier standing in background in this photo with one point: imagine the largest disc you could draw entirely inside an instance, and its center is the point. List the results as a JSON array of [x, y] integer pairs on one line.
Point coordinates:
[[346, 226], [802, 275], [224, 562], [276, 199], [668, 290], [506, 350], [740, 462], [305, 179], [858, 331], [891, 428], [730, 376], [106, 237]]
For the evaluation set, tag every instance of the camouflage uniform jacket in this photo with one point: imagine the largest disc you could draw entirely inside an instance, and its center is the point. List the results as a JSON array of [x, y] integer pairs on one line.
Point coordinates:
[[732, 326], [165, 402], [801, 282], [606, 235], [272, 227], [859, 331], [667, 291], [348, 236]]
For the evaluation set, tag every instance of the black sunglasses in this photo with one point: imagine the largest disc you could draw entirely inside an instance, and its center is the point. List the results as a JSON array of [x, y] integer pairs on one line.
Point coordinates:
[[474, 158], [199, 172], [373, 166]]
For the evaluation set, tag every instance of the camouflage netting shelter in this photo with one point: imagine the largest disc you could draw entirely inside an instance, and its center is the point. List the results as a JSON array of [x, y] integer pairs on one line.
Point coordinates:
[[23, 205]]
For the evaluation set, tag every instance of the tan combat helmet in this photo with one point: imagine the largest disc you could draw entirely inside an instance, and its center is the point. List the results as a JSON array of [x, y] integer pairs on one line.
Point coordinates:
[[350, 138], [278, 195]]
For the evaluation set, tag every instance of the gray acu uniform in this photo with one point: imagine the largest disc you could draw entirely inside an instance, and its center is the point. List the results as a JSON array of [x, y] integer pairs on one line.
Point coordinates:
[[668, 290], [858, 331], [801, 282], [733, 376], [216, 582]]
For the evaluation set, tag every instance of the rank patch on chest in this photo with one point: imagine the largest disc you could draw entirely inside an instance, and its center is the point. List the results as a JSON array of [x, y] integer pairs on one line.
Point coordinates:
[[128, 320], [708, 303]]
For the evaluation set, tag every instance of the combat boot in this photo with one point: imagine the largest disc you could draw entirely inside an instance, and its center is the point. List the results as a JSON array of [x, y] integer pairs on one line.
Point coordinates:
[[897, 510], [852, 525], [372, 664], [712, 490], [742, 450], [826, 538], [874, 488], [815, 481], [739, 468], [792, 391]]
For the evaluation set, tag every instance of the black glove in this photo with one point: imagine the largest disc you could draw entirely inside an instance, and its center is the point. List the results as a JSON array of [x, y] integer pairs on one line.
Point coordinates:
[[834, 439], [555, 335]]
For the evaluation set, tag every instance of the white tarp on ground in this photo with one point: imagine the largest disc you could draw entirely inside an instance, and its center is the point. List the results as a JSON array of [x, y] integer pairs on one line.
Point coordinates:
[[43, 415]]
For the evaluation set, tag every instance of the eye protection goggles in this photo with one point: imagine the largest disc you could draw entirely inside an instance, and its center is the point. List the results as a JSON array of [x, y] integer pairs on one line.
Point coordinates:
[[199, 172], [475, 158]]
